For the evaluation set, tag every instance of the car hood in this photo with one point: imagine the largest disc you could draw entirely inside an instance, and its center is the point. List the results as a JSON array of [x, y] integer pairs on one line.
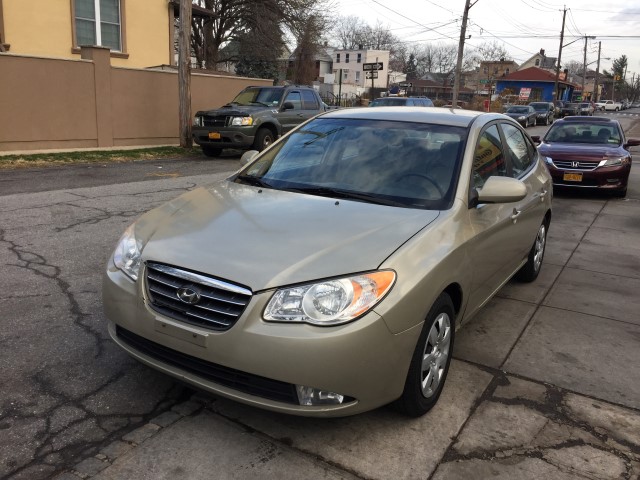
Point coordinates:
[[239, 110], [576, 151], [516, 115], [264, 238]]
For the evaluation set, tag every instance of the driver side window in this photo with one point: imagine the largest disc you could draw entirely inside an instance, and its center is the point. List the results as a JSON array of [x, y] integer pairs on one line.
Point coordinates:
[[295, 99], [488, 158]]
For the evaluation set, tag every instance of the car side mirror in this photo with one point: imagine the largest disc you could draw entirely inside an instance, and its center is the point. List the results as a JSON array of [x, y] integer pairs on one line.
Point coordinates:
[[287, 106], [502, 190], [247, 157], [632, 142], [536, 139]]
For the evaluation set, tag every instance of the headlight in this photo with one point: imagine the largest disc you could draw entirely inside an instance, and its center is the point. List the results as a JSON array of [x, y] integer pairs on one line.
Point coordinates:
[[128, 252], [612, 162], [241, 121], [520, 118], [331, 302], [198, 121]]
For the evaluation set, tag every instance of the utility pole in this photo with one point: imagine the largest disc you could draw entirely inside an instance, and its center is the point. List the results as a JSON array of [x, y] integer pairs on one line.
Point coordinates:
[[556, 91], [463, 33], [595, 83], [584, 67], [184, 74]]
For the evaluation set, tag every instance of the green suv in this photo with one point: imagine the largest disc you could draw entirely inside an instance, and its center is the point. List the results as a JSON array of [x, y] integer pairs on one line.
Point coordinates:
[[255, 118]]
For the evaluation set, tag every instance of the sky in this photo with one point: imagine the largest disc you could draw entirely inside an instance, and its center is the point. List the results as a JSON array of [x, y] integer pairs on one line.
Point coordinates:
[[523, 27]]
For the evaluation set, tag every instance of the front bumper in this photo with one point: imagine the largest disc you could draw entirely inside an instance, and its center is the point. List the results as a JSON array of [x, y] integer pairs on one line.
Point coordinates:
[[606, 178], [361, 360], [240, 138]]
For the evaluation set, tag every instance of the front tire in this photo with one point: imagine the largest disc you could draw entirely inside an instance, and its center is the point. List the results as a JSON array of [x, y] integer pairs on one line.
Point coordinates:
[[264, 138], [530, 270], [430, 362]]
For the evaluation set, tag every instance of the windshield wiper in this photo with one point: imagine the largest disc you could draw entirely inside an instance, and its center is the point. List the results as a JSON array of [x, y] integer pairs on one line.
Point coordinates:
[[347, 195], [261, 103], [255, 181]]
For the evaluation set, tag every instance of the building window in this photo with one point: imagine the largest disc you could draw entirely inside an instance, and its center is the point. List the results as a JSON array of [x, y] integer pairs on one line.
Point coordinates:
[[359, 58], [537, 62], [346, 58], [98, 23], [485, 70], [357, 76], [506, 71], [337, 58]]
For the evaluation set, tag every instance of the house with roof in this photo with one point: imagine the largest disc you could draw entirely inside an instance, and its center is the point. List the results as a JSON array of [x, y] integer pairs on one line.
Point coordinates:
[[439, 86], [540, 60], [538, 83], [490, 72]]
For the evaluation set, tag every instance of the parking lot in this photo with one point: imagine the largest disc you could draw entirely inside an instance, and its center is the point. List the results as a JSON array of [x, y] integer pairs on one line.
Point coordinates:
[[544, 381]]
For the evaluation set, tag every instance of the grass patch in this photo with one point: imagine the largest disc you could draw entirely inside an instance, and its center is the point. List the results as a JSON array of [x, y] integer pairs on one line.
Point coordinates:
[[95, 156]]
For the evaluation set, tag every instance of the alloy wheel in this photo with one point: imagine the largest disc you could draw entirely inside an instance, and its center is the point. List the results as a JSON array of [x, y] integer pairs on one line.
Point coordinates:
[[435, 354], [541, 240]]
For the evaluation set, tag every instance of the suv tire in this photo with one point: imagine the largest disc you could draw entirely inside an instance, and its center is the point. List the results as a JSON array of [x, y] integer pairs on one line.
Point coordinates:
[[264, 138]]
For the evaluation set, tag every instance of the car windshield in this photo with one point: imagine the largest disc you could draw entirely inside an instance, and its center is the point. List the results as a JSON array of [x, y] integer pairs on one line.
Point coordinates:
[[584, 133], [402, 164], [518, 110], [540, 107], [259, 96], [584, 105], [389, 102], [571, 105]]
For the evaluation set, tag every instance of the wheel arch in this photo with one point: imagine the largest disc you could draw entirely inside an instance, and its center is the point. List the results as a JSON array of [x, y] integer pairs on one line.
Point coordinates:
[[454, 290]]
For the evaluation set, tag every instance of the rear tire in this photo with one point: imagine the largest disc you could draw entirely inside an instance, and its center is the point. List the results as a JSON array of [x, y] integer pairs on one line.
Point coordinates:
[[530, 270], [211, 151], [430, 362]]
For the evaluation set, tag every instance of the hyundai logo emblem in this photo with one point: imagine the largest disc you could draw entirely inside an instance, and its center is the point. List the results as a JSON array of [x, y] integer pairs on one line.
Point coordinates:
[[575, 164], [188, 295]]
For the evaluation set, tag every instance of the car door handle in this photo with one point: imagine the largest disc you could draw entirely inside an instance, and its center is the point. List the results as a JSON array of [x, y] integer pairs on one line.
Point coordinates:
[[516, 213], [543, 193]]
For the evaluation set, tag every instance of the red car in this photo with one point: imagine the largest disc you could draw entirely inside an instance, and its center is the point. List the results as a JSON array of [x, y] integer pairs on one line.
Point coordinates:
[[588, 152]]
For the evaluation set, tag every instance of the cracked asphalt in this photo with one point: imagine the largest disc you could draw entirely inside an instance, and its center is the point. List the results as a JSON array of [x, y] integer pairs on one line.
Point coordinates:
[[544, 381]]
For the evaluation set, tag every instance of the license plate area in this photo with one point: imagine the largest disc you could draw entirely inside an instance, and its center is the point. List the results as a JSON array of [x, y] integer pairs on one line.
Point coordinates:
[[572, 177], [214, 135]]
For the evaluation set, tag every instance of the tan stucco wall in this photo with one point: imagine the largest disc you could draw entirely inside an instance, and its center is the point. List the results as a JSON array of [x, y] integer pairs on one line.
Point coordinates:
[[46, 103], [52, 103], [44, 28]]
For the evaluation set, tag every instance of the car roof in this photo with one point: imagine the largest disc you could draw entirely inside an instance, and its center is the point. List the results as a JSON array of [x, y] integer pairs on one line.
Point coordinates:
[[441, 116], [596, 120]]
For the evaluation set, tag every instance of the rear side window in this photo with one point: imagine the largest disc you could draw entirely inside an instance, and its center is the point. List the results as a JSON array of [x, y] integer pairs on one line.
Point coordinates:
[[309, 100]]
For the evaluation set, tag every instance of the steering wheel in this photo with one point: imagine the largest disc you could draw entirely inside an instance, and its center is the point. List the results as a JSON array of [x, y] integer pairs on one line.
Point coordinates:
[[423, 177]]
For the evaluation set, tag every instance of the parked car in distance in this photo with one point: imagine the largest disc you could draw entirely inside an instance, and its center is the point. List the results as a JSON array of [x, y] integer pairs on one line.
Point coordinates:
[[545, 112], [326, 277], [401, 102], [586, 108], [570, 109], [525, 115], [609, 105], [255, 118], [588, 152]]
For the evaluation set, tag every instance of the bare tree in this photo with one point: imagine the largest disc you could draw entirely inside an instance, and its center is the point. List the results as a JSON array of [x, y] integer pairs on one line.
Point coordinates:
[[233, 19], [491, 52], [308, 34]]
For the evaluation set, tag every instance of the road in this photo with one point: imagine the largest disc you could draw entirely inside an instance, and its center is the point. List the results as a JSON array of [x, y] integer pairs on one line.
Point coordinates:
[[67, 393]]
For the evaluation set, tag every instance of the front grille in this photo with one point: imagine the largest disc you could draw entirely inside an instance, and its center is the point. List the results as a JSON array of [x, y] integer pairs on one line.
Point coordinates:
[[569, 165], [215, 121], [219, 374], [219, 306]]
